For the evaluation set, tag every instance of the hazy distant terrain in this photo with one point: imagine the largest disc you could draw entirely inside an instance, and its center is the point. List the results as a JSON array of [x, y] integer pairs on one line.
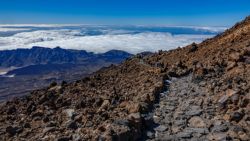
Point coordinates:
[[23, 70], [102, 38]]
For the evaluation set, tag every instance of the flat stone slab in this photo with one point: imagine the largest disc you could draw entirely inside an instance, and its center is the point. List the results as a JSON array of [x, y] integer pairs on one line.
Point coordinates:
[[161, 128]]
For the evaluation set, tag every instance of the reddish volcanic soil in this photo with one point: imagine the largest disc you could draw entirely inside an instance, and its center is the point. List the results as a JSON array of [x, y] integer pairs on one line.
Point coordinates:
[[199, 92]]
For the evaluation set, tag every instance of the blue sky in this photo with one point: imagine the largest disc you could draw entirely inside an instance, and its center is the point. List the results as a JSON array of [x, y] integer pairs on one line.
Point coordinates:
[[152, 12]]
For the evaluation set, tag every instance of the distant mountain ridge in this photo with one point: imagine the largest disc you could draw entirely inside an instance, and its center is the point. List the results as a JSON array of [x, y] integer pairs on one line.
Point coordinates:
[[42, 55], [28, 69]]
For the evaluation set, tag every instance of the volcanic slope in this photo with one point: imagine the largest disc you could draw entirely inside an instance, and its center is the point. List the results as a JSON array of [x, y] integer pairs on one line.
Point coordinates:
[[199, 92]]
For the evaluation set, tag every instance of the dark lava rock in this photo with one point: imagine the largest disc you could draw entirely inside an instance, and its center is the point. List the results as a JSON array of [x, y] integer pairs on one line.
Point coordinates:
[[13, 130], [193, 48], [12, 109], [236, 116], [26, 125], [72, 125], [53, 84]]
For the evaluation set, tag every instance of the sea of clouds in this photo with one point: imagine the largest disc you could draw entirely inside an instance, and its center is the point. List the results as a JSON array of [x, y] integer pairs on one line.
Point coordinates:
[[99, 39]]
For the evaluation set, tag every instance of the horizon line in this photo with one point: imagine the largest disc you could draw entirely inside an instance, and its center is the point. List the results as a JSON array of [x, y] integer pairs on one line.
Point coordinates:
[[76, 24]]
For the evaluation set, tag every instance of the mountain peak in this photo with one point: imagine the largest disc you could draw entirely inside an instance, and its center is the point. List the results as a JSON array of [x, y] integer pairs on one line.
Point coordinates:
[[38, 47], [57, 48]]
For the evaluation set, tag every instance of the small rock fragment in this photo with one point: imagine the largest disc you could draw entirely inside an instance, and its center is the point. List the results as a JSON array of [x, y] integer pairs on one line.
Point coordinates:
[[197, 122], [161, 128]]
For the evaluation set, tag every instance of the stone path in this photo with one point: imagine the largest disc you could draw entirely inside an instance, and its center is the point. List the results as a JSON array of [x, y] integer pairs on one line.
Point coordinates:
[[184, 112]]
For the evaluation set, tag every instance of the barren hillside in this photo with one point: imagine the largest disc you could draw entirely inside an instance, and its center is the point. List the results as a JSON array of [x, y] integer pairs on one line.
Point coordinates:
[[199, 92]]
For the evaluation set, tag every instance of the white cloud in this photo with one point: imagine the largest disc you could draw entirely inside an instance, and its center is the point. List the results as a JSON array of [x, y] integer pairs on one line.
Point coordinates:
[[5, 29], [210, 29], [111, 39], [37, 25], [25, 39]]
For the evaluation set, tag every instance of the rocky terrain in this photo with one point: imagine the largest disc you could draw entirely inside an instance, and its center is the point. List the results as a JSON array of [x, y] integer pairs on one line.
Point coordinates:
[[199, 92], [186, 115]]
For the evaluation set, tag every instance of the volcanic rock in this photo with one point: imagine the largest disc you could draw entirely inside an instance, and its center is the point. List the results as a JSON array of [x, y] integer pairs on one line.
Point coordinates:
[[204, 101], [197, 122]]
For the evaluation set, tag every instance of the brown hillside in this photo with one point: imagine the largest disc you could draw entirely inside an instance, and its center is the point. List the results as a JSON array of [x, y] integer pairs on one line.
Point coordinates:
[[208, 98]]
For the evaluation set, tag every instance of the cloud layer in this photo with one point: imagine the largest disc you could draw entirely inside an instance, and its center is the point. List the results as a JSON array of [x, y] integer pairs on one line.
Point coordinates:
[[132, 40]]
